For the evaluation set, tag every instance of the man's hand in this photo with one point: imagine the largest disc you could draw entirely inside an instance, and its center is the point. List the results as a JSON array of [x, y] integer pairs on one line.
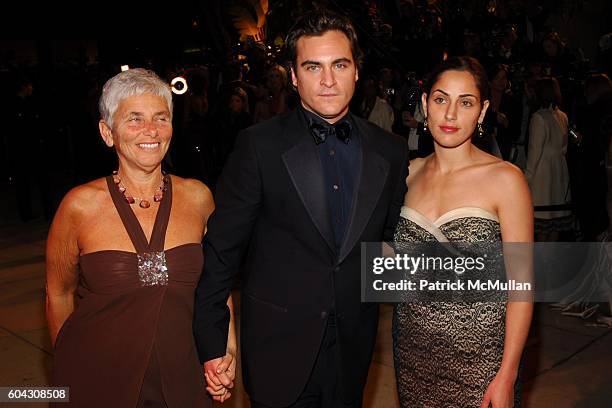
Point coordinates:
[[220, 373]]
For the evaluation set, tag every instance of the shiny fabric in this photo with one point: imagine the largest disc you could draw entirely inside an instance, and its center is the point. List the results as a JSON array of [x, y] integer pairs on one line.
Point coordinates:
[[128, 344], [321, 131]]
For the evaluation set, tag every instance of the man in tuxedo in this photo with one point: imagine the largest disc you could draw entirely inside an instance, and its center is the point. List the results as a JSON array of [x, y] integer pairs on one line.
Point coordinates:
[[298, 195]]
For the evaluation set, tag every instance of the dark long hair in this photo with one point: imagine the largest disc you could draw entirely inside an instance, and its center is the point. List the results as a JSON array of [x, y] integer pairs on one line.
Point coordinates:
[[468, 64], [317, 23], [548, 93]]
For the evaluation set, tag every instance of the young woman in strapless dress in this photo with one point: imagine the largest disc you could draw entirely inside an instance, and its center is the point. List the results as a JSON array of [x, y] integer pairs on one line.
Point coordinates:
[[453, 354]]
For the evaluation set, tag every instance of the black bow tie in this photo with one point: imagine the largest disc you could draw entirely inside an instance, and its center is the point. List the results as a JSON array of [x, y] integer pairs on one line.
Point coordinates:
[[321, 132]]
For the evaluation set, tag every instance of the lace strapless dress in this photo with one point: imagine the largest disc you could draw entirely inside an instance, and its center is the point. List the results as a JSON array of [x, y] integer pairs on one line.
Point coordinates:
[[446, 354]]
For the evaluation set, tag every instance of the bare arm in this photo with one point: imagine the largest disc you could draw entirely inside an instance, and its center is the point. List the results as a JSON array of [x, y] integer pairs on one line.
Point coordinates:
[[62, 257], [232, 344], [516, 219]]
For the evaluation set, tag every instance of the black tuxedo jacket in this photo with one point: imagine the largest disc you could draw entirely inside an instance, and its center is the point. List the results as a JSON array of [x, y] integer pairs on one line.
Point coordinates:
[[271, 203]]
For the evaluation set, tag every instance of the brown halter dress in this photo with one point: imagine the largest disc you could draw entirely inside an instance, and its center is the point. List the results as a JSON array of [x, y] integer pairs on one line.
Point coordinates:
[[129, 342]]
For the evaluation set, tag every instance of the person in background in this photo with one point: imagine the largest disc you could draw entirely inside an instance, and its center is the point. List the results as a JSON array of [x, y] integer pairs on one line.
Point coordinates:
[[276, 97], [374, 108], [230, 119], [546, 170], [587, 167], [199, 140], [503, 116], [558, 60]]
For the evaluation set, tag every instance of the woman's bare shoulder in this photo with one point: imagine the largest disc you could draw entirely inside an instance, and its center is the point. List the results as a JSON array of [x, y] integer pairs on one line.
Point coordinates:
[[507, 171], [416, 165], [194, 190], [86, 197], [82, 203], [506, 178]]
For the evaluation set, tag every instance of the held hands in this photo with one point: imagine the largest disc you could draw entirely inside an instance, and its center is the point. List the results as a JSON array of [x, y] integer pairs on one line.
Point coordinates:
[[220, 373], [500, 393]]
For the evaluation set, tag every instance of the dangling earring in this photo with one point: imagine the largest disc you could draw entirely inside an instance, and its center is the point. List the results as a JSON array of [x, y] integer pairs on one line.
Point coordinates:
[[425, 125], [480, 130]]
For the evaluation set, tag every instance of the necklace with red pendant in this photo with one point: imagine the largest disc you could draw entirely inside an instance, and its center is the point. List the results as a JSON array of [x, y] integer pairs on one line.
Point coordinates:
[[142, 202]]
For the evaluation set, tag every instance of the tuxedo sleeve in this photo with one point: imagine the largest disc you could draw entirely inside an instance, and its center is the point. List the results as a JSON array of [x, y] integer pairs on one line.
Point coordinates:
[[398, 194], [238, 198]]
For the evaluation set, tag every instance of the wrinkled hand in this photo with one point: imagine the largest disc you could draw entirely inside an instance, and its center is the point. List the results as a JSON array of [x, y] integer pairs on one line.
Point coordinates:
[[499, 394], [220, 373]]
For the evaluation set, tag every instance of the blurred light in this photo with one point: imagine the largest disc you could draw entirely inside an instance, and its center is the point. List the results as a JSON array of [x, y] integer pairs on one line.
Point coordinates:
[[125, 67], [180, 89], [241, 57], [445, 56]]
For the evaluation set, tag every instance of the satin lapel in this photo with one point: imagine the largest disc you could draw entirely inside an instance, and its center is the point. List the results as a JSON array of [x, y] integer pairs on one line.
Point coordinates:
[[304, 166], [374, 171]]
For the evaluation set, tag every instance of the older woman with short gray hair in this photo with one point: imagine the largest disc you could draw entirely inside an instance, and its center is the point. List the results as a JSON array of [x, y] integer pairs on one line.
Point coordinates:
[[124, 257]]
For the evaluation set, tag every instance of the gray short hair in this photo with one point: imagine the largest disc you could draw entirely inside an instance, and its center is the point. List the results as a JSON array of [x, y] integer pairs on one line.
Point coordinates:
[[132, 82]]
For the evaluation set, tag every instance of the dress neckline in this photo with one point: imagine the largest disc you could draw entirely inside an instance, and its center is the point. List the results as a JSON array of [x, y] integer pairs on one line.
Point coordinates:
[[132, 253], [132, 225], [451, 215], [433, 227]]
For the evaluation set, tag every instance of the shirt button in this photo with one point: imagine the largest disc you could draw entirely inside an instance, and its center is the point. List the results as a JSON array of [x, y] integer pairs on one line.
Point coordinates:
[[335, 186], [332, 152]]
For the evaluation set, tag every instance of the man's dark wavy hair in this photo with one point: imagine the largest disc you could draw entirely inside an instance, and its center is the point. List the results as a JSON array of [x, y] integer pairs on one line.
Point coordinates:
[[317, 23]]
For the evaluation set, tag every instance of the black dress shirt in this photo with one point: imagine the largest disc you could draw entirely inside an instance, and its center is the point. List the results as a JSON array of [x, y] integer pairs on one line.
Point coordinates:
[[341, 163]]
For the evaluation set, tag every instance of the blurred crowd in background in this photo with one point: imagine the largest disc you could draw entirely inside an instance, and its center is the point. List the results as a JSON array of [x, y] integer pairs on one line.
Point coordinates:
[[236, 77]]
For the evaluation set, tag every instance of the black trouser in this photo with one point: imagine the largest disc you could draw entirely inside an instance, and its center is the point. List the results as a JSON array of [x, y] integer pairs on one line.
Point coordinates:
[[323, 387]]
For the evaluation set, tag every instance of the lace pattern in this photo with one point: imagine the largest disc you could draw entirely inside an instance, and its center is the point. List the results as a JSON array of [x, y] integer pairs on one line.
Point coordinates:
[[446, 354]]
